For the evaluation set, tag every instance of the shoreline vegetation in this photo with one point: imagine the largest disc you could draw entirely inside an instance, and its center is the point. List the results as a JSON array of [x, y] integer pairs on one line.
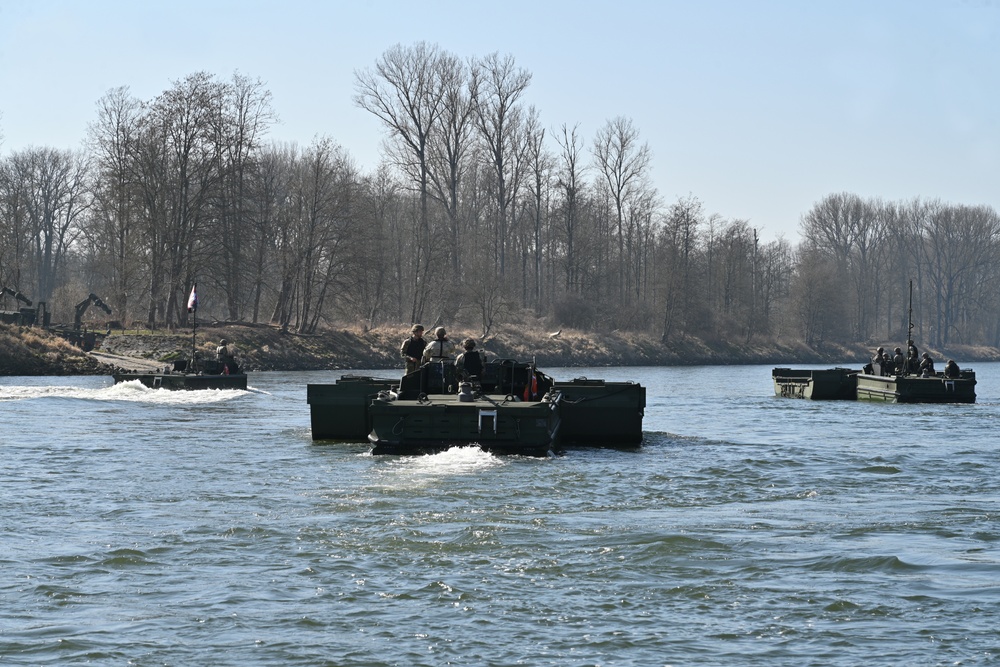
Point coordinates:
[[475, 216], [35, 352]]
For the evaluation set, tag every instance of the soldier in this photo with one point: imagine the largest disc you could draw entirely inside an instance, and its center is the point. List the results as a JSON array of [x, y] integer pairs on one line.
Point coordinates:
[[437, 349], [926, 365], [413, 348], [470, 363], [912, 360], [898, 361], [879, 362], [227, 357]]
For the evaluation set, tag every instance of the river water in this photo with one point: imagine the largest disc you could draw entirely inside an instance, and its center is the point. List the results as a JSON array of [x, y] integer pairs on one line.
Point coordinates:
[[147, 527]]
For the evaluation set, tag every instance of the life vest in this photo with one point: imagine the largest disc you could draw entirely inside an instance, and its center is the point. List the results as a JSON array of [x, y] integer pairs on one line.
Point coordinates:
[[531, 387], [472, 363], [440, 353], [413, 347]]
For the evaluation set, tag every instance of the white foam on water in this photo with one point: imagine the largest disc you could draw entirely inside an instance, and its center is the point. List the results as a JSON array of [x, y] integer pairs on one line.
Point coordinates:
[[460, 459], [133, 391], [427, 468]]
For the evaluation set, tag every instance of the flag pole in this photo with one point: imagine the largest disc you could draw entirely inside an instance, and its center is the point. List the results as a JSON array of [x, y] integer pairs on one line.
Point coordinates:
[[193, 308]]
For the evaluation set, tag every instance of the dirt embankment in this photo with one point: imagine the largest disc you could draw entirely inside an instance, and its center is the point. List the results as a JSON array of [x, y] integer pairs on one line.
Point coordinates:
[[31, 351], [266, 348], [25, 351]]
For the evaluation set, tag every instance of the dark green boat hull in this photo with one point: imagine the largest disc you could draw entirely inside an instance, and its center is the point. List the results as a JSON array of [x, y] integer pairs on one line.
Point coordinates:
[[595, 412], [514, 410], [831, 384], [341, 411], [184, 381], [497, 423], [915, 389], [846, 384]]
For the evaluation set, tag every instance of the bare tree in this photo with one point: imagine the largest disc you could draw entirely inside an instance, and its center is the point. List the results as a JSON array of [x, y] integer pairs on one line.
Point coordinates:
[[623, 165], [15, 235], [242, 120], [500, 121], [181, 137], [678, 245], [318, 230], [539, 164], [406, 92], [850, 231], [269, 211], [569, 174], [775, 274], [55, 192], [820, 306], [374, 283], [959, 242], [450, 146], [831, 226], [114, 139]]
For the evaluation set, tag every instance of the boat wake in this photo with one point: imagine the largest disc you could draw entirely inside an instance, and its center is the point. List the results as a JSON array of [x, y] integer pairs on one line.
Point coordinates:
[[132, 391], [449, 463]]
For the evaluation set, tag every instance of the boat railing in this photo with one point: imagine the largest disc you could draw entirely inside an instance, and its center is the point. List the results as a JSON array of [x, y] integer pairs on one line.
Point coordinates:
[[499, 376]]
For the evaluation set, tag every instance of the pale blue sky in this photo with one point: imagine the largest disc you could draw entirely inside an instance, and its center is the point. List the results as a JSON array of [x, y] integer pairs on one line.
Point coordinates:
[[759, 108]]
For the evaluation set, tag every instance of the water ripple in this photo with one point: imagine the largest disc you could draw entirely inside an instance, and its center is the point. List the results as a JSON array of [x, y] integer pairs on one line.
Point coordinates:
[[149, 529]]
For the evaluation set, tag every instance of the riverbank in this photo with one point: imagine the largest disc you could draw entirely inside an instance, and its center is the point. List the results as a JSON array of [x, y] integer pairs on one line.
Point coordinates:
[[31, 351]]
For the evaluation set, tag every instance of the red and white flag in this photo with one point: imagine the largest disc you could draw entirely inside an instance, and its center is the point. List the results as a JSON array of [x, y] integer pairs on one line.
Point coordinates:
[[193, 299]]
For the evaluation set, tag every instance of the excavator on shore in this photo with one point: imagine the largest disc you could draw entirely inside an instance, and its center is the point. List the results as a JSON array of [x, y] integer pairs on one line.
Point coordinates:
[[26, 315], [79, 335], [82, 307]]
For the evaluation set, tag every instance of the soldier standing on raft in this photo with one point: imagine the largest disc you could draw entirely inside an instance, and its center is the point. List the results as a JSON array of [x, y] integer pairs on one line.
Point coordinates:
[[413, 348], [880, 362], [436, 350], [470, 363], [898, 361], [227, 357], [926, 366], [912, 360]]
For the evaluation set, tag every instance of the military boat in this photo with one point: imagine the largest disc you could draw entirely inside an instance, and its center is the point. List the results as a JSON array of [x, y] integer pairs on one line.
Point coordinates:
[[512, 408], [887, 382], [831, 384], [931, 388], [194, 372], [183, 374], [867, 385]]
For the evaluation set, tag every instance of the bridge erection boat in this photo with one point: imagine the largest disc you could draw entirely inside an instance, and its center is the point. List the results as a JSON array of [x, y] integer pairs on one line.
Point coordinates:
[[935, 388], [847, 385], [195, 372], [898, 379], [827, 384], [183, 374], [512, 408]]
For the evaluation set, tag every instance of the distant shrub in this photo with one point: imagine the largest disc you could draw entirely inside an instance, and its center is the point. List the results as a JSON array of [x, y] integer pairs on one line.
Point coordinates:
[[575, 311]]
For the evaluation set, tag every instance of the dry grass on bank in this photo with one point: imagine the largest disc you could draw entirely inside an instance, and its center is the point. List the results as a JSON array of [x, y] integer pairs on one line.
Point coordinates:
[[32, 351], [29, 351]]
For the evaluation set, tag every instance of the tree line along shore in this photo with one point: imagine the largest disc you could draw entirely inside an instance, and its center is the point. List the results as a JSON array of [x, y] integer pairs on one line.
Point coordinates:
[[34, 351], [479, 211]]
